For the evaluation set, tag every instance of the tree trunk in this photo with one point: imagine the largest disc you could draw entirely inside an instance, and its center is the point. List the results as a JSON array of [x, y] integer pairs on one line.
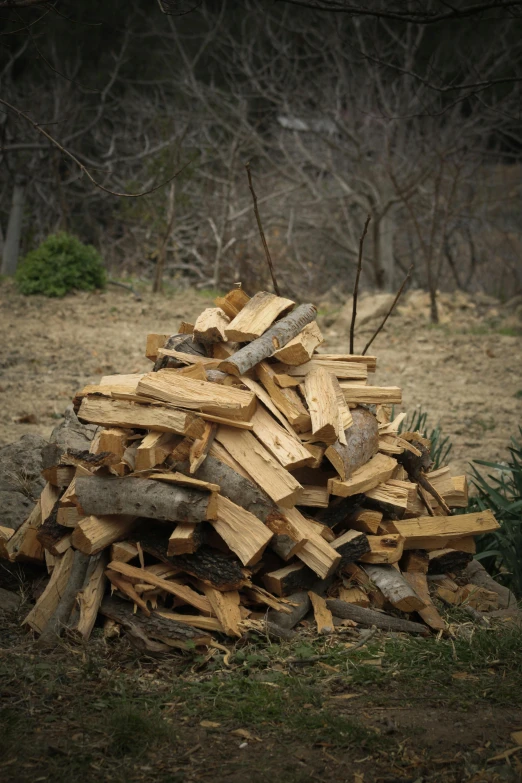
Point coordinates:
[[11, 250]]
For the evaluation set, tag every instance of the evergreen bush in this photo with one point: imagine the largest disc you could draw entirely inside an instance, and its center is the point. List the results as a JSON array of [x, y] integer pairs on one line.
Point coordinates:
[[62, 263]]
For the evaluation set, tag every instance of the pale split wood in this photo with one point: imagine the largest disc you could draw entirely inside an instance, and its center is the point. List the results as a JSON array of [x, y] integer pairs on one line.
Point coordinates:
[[123, 551], [317, 497], [244, 533], [371, 395], [378, 469], [124, 413], [264, 470], [137, 575], [225, 606], [5, 534], [48, 498], [218, 451], [287, 401], [40, 614], [317, 553], [256, 316], [322, 615], [369, 361], [414, 531], [92, 534], [429, 612], [194, 620], [366, 520], [263, 396], [354, 595], [186, 327], [183, 539], [233, 302], [154, 449], [321, 399], [154, 342], [185, 481], [210, 325], [24, 545], [201, 446], [287, 450], [114, 440], [211, 398], [345, 371], [384, 549], [301, 348]]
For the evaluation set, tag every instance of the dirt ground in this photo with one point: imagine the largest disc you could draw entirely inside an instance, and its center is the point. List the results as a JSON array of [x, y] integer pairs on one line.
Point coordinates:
[[467, 372]]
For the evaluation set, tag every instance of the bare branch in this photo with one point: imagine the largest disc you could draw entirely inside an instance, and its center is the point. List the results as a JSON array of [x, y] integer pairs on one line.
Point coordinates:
[[261, 232], [356, 284], [390, 311]]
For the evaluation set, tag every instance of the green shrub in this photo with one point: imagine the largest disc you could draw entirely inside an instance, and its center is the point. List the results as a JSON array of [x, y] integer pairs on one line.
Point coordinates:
[[501, 551], [61, 264]]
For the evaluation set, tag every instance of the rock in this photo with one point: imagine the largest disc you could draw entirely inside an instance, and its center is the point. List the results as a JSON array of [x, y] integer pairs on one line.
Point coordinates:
[[9, 602], [477, 575], [20, 480], [369, 308]]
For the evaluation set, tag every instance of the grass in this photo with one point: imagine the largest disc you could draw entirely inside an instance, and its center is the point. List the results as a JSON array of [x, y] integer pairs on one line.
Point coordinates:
[[102, 713], [501, 491]]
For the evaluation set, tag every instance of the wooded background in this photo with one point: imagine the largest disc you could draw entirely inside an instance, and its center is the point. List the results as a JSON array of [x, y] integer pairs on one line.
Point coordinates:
[[411, 120]]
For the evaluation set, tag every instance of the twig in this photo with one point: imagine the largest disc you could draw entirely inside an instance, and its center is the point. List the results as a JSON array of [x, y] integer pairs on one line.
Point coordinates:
[[356, 285], [261, 232], [390, 311], [83, 168]]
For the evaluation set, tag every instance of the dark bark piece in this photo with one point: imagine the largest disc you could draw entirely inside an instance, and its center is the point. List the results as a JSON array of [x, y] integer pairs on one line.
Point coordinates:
[[234, 487], [288, 621], [351, 546], [69, 435], [59, 620], [154, 627], [362, 443], [369, 617], [101, 495], [290, 579], [271, 341], [444, 560], [340, 510], [211, 567], [50, 533], [184, 343]]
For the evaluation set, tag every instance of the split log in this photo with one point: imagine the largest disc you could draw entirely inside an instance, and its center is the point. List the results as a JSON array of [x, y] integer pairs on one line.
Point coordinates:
[[191, 394], [210, 326], [154, 449], [185, 539], [46, 605], [287, 401], [369, 617], [124, 551], [351, 545], [271, 341], [322, 615], [366, 520], [301, 348], [384, 549], [443, 560], [288, 451], [371, 395], [153, 627], [380, 468], [415, 561], [278, 483], [23, 545], [126, 588], [354, 595], [314, 497], [429, 613], [91, 594], [416, 531], [144, 497], [92, 534], [123, 413], [201, 446], [317, 554], [256, 316], [154, 342], [291, 578], [183, 344], [225, 606], [60, 617], [51, 534], [207, 565], [395, 588], [369, 361], [246, 536], [138, 575], [345, 370], [321, 399], [233, 302], [362, 443]]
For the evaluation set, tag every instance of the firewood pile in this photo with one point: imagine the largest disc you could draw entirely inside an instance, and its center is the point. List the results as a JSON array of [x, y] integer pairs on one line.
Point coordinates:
[[246, 481]]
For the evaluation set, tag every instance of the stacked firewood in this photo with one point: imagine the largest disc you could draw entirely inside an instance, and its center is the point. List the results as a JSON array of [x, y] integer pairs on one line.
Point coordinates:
[[247, 479]]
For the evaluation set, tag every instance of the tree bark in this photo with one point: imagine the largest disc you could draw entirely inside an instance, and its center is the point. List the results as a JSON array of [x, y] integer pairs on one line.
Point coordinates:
[[369, 617], [58, 622], [11, 249], [362, 442], [271, 341]]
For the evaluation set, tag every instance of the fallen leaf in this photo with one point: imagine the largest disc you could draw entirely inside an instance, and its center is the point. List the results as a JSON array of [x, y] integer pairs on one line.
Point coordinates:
[[209, 724], [463, 676], [517, 737], [505, 754], [372, 662], [246, 735], [344, 696]]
